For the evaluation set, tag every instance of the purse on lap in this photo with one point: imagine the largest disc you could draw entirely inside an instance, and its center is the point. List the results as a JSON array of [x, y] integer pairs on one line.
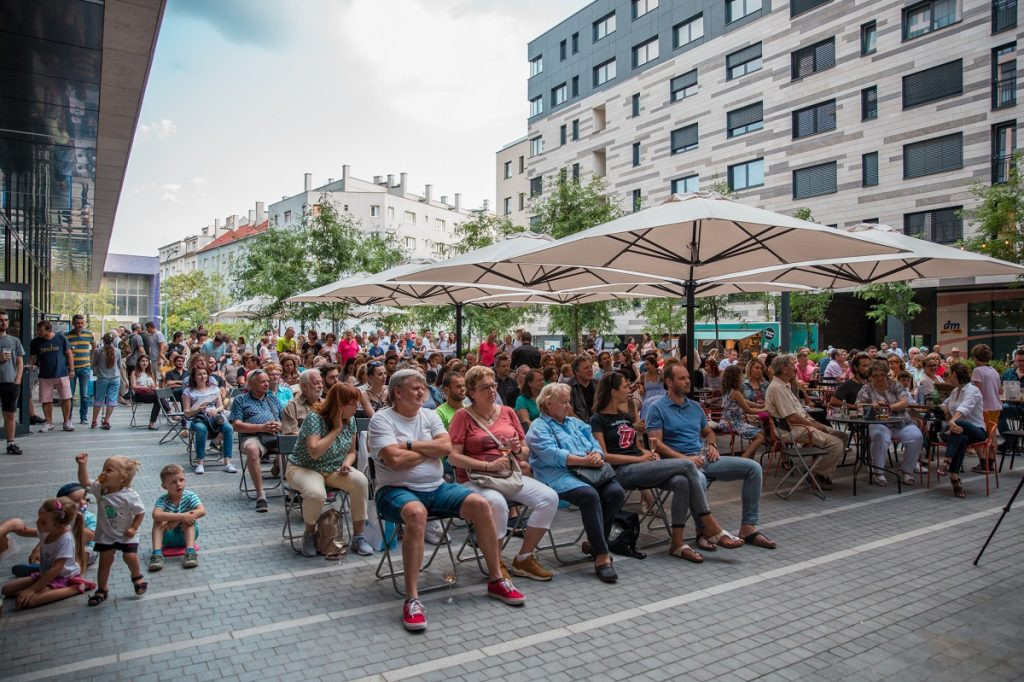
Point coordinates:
[[508, 485]]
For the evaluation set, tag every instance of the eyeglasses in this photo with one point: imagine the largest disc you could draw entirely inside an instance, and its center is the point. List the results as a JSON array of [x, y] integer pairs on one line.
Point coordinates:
[[486, 387]]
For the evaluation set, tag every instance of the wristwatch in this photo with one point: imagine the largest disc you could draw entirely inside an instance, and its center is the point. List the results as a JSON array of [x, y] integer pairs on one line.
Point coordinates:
[[408, 445]]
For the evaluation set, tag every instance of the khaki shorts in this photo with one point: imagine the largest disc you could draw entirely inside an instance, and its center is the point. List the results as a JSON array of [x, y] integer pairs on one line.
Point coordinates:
[[46, 387]]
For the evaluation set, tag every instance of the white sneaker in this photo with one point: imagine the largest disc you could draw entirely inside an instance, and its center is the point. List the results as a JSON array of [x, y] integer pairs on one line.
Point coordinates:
[[229, 468], [46, 427], [68, 426], [199, 468]]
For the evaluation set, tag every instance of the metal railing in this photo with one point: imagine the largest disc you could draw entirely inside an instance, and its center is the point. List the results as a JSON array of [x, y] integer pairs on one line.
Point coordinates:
[[1004, 92]]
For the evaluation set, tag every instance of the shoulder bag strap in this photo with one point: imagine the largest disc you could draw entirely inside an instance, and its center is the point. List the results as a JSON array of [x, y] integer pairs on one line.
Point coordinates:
[[472, 414]]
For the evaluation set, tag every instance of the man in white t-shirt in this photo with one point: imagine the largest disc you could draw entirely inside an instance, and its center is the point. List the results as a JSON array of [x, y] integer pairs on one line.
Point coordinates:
[[729, 359], [407, 444]]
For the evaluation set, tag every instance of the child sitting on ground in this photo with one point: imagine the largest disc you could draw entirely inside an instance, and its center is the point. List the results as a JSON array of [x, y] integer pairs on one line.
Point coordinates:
[[77, 494], [59, 528], [176, 517], [120, 515]]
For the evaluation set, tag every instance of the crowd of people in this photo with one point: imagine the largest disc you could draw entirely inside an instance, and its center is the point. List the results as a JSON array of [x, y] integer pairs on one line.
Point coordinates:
[[506, 428]]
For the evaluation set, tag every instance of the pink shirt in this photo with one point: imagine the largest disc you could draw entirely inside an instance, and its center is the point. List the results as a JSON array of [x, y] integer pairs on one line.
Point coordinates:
[[475, 441], [805, 373], [987, 381], [347, 348], [487, 353]]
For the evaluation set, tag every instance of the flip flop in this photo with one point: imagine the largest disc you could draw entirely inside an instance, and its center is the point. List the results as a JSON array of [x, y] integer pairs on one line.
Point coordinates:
[[688, 553], [759, 539], [724, 539]]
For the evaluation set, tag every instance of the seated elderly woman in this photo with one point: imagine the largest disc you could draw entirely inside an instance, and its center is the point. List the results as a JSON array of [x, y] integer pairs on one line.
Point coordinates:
[[484, 435], [887, 395], [558, 442], [735, 408], [963, 410], [204, 408], [324, 456]]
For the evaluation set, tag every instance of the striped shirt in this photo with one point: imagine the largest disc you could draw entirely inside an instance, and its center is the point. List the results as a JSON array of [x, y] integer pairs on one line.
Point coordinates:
[[189, 501], [81, 347]]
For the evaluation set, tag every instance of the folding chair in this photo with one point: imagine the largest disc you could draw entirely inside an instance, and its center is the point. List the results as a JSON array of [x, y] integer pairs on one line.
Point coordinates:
[[798, 456], [986, 451], [175, 417], [470, 541], [293, 498], [266, 469], [655, 519], [1014, 441]]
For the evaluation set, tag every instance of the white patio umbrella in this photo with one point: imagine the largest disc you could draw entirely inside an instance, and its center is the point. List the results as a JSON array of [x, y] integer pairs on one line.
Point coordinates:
[[249, 309], [699, 237]]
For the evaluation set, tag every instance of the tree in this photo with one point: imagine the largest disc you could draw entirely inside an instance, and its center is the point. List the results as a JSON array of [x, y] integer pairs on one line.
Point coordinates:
[[191, 298], [68, 303], [810, 307], [712, 308], [664, 315], [572, 207], [482, 230], [999, 217], [892, 299]]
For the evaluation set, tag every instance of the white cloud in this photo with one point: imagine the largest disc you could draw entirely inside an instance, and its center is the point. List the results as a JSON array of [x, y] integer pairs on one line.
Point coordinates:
[[170, 192], [162, 129]]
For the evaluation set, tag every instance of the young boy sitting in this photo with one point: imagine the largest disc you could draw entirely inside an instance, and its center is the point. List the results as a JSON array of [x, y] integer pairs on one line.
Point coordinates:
[[176, 517]]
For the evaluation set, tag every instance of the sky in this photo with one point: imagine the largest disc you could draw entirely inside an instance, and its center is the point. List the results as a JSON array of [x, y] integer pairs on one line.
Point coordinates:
[[245, 96]]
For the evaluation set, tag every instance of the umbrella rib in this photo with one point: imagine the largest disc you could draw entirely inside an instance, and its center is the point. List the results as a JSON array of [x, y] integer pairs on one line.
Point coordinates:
[[631, 246]]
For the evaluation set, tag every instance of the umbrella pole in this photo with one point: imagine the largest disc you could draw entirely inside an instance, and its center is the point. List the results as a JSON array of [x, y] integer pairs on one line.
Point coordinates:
[[458, 330], [785, 324], [691, 295]]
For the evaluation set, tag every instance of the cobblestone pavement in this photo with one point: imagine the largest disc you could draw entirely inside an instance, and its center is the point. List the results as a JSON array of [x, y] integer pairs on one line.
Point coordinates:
[[878, 586]]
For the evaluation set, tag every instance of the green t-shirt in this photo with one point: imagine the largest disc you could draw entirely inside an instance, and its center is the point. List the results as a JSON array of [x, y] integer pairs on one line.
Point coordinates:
[[446, 412], [330, 461], [528, 404]]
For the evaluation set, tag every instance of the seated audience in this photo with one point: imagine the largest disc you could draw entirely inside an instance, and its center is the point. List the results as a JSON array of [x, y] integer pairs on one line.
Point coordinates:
[[883, 393], [966, 424], [310, 391], [204, 409], [256, 417], [735, 409]]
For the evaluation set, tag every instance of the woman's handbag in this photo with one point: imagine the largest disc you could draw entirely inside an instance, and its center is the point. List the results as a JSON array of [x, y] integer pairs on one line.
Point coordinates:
[[595, 476], [509, 484]]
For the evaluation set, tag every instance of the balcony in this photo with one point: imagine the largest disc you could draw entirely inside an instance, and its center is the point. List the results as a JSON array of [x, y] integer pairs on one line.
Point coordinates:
[[1001, 166], [1004, 15], [1004, 92]]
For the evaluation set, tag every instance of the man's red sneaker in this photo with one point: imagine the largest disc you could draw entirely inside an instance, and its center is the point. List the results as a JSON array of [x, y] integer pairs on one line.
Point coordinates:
[[414, 616], [505, 591]]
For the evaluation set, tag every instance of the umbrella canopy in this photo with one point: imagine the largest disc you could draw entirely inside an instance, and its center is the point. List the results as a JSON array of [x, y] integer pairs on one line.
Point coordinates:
[[249, 309], [919, 259]]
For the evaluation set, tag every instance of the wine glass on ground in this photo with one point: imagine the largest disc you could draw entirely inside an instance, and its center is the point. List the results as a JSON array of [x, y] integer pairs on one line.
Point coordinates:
[[449, 579]]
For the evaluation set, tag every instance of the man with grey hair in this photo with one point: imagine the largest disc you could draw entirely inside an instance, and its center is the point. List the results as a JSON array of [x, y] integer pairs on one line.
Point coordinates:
[[781, 403], [311, 386], [407, 444]]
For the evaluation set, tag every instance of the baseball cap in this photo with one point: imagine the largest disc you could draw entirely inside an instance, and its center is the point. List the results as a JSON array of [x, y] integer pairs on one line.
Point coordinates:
[[69, 488]]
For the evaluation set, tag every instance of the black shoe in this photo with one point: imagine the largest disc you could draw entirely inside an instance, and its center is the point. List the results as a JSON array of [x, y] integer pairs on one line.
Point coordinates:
[[262, 507], [36, 420], [13, 449], [606, 573]]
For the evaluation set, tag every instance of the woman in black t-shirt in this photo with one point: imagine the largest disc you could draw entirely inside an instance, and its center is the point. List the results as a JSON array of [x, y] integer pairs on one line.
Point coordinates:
[[638, 468]]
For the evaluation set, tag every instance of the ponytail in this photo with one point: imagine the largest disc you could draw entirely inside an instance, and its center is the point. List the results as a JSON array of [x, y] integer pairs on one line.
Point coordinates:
[[65, 512], [108, 349], [78, 532]]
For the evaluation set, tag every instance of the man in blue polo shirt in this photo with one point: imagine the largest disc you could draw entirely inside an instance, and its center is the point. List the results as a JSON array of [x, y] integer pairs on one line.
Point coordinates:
[[679, 424]]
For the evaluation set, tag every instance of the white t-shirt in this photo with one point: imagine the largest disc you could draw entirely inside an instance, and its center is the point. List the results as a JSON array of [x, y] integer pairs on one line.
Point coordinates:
[[115, 512], [61, 548], [388, 427]]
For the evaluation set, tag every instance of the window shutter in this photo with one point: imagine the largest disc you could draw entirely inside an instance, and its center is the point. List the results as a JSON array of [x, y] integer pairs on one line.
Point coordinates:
[[817, 119], [800, 6], [825, 55], [683, 138], [943, 225], [869, 174], [936, 155], [938, 82], [684, 81], [869, 103], [744, 55], [743, 116], [814, 181]]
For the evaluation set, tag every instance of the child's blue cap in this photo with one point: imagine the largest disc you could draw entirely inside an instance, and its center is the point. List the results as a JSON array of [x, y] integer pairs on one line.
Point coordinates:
[[69, 488]]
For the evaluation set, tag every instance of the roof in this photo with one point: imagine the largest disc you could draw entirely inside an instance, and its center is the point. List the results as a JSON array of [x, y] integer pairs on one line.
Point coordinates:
[[128, 264], [237, 234]]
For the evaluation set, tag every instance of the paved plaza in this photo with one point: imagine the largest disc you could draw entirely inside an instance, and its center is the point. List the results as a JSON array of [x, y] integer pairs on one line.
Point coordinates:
[[878, 586]]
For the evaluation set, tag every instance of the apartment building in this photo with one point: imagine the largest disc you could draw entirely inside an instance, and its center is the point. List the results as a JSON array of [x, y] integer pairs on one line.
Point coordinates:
[[512, 187], [862, 111], [221, 256], [425, 225]]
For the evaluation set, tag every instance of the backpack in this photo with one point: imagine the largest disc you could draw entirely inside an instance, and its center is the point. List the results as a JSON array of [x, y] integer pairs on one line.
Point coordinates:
[[623, 534], [328, 530]]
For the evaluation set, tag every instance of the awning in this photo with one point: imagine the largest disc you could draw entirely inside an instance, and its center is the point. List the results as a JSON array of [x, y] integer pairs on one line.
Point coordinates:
[[726, 334]]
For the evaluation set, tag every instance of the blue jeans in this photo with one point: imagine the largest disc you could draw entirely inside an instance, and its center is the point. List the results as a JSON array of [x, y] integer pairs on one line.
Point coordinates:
[[199, 428], [956, 444], [82, 377], [598, 506], [734, 469]]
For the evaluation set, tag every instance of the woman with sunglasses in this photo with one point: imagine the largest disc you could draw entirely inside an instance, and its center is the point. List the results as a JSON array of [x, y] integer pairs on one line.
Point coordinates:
[[375, 390]]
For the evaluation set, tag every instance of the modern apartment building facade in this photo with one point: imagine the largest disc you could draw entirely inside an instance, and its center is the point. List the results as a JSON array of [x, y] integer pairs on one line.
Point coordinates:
[[882, 111], [513, 187]]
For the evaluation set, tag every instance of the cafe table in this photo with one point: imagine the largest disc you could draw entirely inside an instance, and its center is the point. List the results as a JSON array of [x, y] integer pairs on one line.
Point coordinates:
[[858, 424]]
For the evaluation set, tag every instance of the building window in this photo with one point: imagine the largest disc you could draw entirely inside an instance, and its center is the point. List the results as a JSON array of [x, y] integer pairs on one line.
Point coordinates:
[[684, 139], [375, 211], [559, 94], [536, 186], [637, 200], [745, 119], [1004, 76], [536, 106], [815, 181], [536, 65], [575, 38], [869, 169], [937, 155], [636, 154], [868, 38], [522, 165], [642, 7], [746, 175], [439, 224], [410, 217], [563, 134], [869, 103], [943, 225], [931, 85], [737, 9], [688, 31], [604, 72], [870, 221], [635, 104], [287, 217], [687, 185], [819, 118], [814, 58], [536, 146], [797, 7], [391, 212], [1004, 143], [522, 201], [410, 243], [929, 16], [742, 62], [575, 129], [576, 172], [575, 86], [561, 51], [508, 169], [600, 118], [683, 86], [645, 52], [1004, 15], [604, 26]]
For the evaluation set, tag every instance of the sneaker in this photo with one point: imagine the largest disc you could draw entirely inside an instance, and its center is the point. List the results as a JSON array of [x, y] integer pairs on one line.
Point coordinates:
[[504, 569], [83, 421], [824, 482], [361, 547], [505, 591], [156, 563], [261, 506], [229, 468], [68, 426], [13, 449], [308, 543], [47, 427], [530, 568], [35, 420], [414, 616], [199, 468], [191, 558]]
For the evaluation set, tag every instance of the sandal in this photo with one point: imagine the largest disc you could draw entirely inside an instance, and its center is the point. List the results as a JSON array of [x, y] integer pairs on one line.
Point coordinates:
[[908, 479], [724, 539], [880, 480], [942, 470], [688, 553], [958, 488], [97, 597], [105, 425], [93, 426], [759, 539], [704, 545], [140, 585]]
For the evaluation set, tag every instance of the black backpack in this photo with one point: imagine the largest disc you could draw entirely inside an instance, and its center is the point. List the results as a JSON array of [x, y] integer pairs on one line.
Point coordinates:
[[623, 534]]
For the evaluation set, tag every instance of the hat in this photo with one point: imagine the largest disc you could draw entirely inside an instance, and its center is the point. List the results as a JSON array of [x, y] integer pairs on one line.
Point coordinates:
[[924, 349], [69, 488]]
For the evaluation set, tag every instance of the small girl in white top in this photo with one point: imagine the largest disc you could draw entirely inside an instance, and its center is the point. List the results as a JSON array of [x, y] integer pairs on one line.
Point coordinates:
[[62, 553], [119, 513]]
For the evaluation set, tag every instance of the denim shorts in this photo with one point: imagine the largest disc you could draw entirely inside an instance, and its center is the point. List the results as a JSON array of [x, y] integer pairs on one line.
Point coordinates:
[[106, 391], [445, 500]]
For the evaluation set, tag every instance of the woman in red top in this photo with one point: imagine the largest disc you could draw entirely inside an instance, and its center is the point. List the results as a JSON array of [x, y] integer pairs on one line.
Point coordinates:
[[484, 435], [348, 347], [488, 349]]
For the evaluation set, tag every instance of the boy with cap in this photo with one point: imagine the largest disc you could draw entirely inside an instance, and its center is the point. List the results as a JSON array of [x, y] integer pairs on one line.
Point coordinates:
[[77, 493]]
